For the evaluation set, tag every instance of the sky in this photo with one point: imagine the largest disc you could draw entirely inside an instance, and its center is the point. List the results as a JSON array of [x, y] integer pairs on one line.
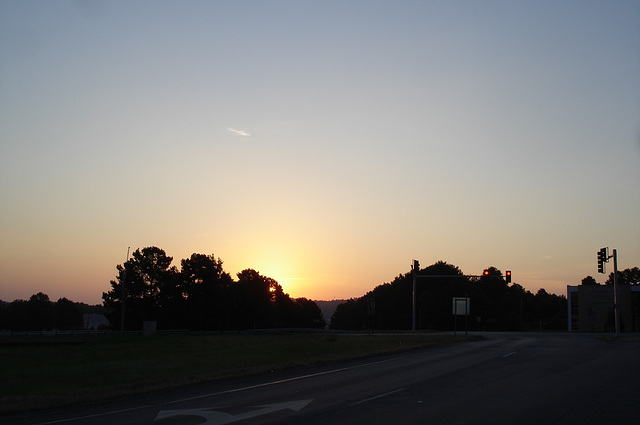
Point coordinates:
[[324, 144]]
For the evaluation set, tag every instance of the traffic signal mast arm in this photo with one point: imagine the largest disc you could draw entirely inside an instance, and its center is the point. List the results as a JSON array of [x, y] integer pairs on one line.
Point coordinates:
[[507, 275], [416, 269]]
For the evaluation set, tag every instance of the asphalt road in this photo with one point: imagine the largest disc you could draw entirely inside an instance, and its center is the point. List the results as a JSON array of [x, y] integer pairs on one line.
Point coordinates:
[[505, 379]]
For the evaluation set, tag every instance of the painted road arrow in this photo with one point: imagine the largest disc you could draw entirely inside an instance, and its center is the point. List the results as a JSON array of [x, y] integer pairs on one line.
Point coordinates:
[[219, 418]]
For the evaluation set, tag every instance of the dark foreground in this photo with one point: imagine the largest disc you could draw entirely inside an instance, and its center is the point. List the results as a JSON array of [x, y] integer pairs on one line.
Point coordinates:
[[505, 379]]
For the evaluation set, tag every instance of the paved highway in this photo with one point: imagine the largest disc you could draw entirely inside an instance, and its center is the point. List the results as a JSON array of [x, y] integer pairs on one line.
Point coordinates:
[[505, 379]]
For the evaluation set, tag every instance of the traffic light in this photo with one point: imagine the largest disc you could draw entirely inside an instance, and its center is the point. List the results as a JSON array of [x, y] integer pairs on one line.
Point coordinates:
[[507, 276], [416, 266], [485, 272], [602, 258]]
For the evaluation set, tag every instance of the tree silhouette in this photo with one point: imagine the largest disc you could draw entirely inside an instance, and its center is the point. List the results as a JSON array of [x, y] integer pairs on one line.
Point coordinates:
[[626, 277], [17, 317], [254, 299], [307, 314], [351, 314], [491, 300], [67, 315], [205, 287], [201, 296], [40, 314], [495, 305], [437, 293], [149, 283]]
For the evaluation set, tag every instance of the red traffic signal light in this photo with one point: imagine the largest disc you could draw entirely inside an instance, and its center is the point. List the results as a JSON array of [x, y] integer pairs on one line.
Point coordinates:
[[485, 272], [507, 276]]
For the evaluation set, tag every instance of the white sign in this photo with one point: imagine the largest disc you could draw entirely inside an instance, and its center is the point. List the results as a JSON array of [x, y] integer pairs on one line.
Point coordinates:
[[461, 306]]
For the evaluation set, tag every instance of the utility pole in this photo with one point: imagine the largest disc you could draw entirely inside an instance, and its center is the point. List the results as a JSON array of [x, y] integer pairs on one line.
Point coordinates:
[[124, 290], [416, 268], [616, 310]]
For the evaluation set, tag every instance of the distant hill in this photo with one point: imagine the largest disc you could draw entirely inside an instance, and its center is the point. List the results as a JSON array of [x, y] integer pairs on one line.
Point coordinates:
[[328, 308]]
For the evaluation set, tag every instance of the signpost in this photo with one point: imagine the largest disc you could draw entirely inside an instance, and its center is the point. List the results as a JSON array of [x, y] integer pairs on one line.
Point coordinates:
[[461, 307]]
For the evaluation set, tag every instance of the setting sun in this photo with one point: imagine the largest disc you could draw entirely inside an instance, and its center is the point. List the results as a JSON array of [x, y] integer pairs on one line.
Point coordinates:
[[278, 262]]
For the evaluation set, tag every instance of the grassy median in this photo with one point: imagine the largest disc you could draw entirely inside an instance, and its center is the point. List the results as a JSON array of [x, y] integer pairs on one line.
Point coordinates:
[[40, 376]]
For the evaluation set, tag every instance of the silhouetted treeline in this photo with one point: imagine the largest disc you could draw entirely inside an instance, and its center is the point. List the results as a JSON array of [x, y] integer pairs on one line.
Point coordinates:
[[629, 276], [40, 314], [201, 296], [495, 304]]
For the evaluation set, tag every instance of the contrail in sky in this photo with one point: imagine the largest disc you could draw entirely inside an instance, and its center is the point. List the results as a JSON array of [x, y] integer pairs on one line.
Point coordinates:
[[239, 132]]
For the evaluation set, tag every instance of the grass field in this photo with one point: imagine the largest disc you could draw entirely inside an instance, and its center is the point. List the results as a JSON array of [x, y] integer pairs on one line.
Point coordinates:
[[53, 375]]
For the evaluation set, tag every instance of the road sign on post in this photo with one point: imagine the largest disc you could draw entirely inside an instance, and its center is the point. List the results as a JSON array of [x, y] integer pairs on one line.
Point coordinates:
[[461, 307]]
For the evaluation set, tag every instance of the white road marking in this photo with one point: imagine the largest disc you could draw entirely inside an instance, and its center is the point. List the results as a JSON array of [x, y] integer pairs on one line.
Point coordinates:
[[234, 390], [509, 354], [220, 418], [377, 396], [266, 384]]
